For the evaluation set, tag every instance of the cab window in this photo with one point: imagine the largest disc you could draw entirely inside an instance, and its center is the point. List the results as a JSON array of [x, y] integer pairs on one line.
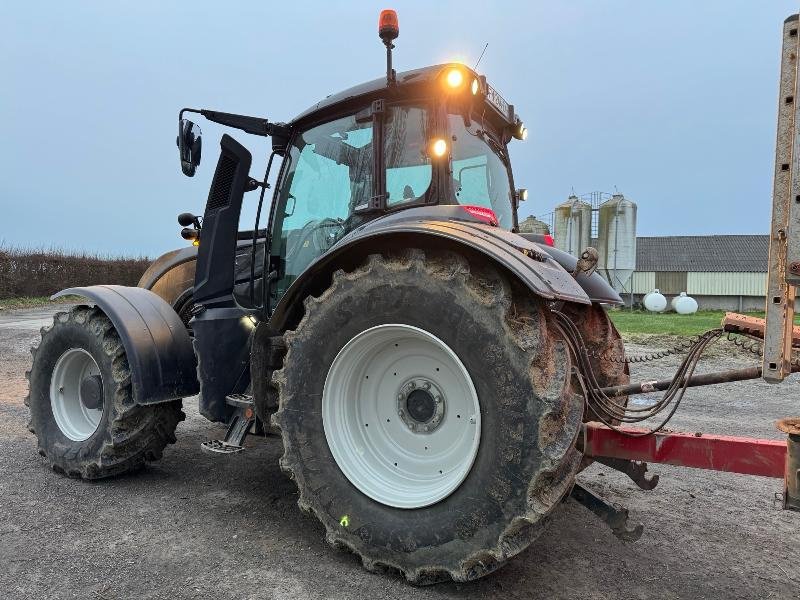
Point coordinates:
[[408, 168], [480, 172], [329, 174]]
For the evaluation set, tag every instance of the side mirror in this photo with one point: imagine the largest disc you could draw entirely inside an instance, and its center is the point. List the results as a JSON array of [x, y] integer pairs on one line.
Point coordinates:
[[190, 145], [521, 194]]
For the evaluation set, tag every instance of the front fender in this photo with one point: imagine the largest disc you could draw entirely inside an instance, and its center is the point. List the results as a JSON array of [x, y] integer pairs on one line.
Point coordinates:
[[528, 261], [157, 345]]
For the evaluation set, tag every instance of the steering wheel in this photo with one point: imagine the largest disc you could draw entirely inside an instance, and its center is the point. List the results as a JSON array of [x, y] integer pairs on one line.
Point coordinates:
[[326, 233]]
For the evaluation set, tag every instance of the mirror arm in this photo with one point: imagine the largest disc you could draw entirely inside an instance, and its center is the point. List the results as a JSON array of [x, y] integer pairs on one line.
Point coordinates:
[[253, 125]]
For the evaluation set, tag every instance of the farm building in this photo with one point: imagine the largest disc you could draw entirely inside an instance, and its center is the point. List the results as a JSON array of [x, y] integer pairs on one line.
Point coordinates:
[[719, 271]]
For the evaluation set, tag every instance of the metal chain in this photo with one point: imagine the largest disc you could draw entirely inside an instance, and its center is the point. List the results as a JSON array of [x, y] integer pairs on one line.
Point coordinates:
[[743, 343], [682, 347]]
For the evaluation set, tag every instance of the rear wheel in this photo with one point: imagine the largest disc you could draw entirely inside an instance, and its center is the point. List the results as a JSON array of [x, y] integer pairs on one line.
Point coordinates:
[[427, 416], [82, 407]]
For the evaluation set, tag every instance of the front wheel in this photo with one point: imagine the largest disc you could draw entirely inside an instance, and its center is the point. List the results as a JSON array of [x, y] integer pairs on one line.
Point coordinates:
[[82, 407], [427, 416]]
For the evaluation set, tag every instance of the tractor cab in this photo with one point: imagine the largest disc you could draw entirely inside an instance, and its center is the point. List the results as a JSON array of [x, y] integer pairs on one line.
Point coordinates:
[[428, 139]]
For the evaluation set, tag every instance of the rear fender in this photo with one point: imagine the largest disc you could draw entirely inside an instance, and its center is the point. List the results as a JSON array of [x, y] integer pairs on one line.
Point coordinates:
[[157, 346], [595, 285], [527, 261]]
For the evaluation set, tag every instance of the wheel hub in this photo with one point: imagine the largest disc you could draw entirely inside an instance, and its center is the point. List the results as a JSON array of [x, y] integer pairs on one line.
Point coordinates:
[[421, 404], [392, 371], [92, 392], [76, 394]]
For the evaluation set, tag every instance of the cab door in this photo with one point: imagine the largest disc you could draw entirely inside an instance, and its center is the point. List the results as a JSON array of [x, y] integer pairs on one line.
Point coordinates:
[[329, 175]]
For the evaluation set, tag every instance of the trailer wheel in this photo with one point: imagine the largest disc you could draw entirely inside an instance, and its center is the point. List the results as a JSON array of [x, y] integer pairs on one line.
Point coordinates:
[[426, 415], [81, 403]]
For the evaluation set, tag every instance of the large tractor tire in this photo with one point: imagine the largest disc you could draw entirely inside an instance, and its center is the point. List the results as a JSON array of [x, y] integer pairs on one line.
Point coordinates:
[[82, 407], [427, 415]]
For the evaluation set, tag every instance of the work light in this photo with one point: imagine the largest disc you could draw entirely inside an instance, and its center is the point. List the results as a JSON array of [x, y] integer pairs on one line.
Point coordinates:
[[475, 87], [454, 78], [439, 147]]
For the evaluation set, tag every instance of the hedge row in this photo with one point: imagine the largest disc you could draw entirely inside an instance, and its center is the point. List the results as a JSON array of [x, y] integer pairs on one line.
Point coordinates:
[[27, 272]]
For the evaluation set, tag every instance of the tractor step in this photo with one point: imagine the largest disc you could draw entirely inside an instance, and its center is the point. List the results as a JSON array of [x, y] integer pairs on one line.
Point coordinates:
[[239, 425]]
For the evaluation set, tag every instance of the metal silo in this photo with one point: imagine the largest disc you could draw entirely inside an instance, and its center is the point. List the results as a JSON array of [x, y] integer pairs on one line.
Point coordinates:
[[572, 224], [534, 225], [616, 244]]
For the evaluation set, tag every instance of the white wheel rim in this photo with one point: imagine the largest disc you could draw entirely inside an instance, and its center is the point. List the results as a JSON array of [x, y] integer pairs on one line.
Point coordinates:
[[74, 419], [387, 455]]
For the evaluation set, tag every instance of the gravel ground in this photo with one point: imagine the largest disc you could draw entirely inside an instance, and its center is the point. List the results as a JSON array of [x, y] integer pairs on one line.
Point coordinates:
[[196, 526]]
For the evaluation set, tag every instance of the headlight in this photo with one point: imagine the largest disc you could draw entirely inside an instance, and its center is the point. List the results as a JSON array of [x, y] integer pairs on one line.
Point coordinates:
[[475, 87]]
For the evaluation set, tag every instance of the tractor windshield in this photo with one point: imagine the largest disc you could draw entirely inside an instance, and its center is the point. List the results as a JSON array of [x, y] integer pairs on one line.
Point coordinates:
[[480, 169]]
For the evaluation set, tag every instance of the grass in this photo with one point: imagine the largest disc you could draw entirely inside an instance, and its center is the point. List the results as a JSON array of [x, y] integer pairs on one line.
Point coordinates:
[[638, 322], [34, 301]]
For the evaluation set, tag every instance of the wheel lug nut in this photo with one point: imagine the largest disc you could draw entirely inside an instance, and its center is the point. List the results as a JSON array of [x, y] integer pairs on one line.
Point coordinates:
[[426, 385]]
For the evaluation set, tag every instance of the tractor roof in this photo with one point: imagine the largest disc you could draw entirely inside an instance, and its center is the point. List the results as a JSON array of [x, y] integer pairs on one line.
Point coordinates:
[[406, 78]]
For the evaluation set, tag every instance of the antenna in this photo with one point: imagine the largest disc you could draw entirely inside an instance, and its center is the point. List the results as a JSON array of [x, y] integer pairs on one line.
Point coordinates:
[[481, 56]]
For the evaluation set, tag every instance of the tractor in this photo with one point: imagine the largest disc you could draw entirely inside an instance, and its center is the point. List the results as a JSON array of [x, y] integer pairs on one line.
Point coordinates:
[[424, 364]]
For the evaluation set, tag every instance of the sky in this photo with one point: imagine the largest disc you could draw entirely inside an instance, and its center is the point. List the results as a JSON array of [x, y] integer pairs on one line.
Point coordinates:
[[672, 103]]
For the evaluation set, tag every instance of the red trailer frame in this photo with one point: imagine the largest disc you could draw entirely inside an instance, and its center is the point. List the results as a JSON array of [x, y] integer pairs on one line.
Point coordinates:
[[748, 456]]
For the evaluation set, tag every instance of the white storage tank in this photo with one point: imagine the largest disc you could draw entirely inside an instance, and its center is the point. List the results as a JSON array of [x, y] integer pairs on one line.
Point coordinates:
[[572, 224], [534, 225], [655, 301], [684, 305], [616, 243]]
